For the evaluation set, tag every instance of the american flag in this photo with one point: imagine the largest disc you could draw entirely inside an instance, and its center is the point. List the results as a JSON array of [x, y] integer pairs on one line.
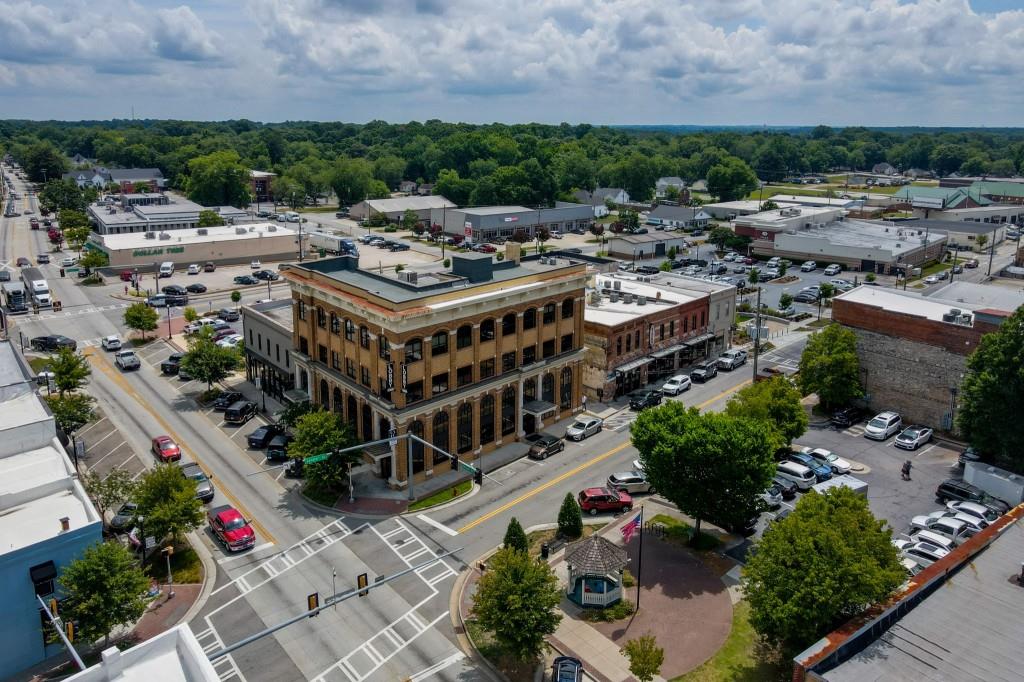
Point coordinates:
[[632, 527]]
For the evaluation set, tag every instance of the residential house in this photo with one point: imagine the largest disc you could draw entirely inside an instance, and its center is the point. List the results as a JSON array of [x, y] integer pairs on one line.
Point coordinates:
[[680, 217], [425, 190], [261, 185], [407, 186], [664, 183], [883, 169], [84, 178]]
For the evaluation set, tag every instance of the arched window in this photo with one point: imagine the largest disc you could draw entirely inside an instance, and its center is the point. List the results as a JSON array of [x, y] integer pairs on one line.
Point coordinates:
[[414, 350], [567, 308], [364, 337], [549, 313], [350, 330], [547, 388], [487, 330], [565, 394], [351, 414], [464, 336], [325, 395], [487, 419], [367, 424], [464, 428], [440, 437], [530, 389], [530, 318], [508, 325], [629, 342], [321, 318], [336, 399], [508, 411], [439, 342], [335, 324], [416, 429]]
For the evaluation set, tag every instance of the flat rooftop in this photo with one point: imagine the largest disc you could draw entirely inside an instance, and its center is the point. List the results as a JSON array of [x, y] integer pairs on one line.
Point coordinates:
[[995, 296], [801, 200], [179, 206], [904, 302], [223, 233], [781, 215], [278, 311], [496, 210], [22, 409], [745, 205], [658, 299], [172, 656], [943, 226], [413, 202], [864, 234], [968, 629]]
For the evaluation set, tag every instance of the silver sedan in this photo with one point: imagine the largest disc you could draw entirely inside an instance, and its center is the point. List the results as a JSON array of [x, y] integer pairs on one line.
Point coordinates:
[[584, 427]]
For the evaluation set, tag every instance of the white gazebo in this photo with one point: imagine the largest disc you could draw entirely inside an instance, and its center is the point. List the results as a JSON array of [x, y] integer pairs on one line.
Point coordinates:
[[595, 568]]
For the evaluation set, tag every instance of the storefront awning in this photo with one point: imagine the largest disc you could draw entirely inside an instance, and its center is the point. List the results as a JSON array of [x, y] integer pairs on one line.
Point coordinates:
[[697, 340], [665, 352], [43, 572], [537, 408], [629, 366]]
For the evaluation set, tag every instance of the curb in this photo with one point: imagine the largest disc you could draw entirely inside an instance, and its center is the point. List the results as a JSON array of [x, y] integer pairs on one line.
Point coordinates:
[[209, 578], [458, 621], [474, 489], [338, 512]]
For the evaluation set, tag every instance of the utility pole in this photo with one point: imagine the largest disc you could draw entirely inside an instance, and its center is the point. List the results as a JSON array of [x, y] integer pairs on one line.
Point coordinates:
[[757, 331], [992, 251]]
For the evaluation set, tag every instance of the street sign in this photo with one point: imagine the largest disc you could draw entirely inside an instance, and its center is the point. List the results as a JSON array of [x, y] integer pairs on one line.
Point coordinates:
[[313, 459], [392, 434]]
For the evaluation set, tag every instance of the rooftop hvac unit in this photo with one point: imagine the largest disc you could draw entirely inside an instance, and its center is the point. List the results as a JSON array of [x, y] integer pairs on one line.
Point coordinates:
[[643, 278], [614, 298], [202, 231], [241, 230], [627, 297], [595, 299], [151, 235], [252, 228], [952, 316], [618, 285], [641, 300], [164, 235], [964, 320], [271, 228]]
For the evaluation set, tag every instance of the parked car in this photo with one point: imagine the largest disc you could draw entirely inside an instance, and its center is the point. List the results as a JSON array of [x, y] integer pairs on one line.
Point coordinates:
[[174, 290], [913, 437], [261, 437], [979, 511], [787, 488], [846, 417], [676, 385], [883, 425], [68, 261], [255, 264], [642, 399], [172, 364], [545, 446], [975, 523], [809, 266], [973, 263], [402, 247], [124, 518], [165, 449], [806, 296], [52, 342], [822, 471], [226, 400], [277, 448], [228, 314], [110, 343], [632, 482], [229, 526], [830, 459], [566, 669], [245, 280], [704, 371], [157, 301], [923, 553], [43, 258], [796, 473], [231, 341], [953, 529], [772, 497], [5, 275], [240, 412], [196, 288], [194, 269], [959, 490], [209, 266], [833, 269], [731, 359], [204, 486], [841, 284], [266, 275], [584, 427], [594, 500], [127, 360]]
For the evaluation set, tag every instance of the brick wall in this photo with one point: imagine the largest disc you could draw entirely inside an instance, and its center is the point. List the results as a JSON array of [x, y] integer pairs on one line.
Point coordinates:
[[951, 337]]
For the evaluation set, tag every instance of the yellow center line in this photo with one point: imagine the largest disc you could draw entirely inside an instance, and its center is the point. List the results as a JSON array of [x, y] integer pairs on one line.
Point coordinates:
[[572, 472], [118, 379]]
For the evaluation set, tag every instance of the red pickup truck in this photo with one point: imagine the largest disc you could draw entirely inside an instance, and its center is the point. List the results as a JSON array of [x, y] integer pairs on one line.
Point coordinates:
[[231, 528], [34, 223]]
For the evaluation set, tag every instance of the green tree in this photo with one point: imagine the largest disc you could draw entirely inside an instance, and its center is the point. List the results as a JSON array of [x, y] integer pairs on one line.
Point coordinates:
[[210, 218], [71, 411], [316, 432], [105, 588], [167, 500], [570, 518], [991, 395], [769, 205], [289, 416], [666, 266], [515, 537], [42, 161], [817, 568], [94, 258], [452, 187], [732, 179], [776, 402], [719, 236], [58, 194], [711, 466], [236, 296], [218, 179], [946, 158], [785, 300], [389, 170], [109, 492], [517, 601], [645, 657], [829, 367], [981, 240], [629, 219], [206, 361], [1002, 168], [350, 180], [783, 268], [70, 370], [410, 220], [190, 314], [870, 277], [141, 318]]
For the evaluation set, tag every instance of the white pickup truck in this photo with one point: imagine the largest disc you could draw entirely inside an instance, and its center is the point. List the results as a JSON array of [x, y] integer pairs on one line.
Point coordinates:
[[126, 360]]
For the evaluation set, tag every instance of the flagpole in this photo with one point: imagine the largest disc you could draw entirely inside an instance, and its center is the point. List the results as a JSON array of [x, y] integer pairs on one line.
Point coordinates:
[[640, 558]]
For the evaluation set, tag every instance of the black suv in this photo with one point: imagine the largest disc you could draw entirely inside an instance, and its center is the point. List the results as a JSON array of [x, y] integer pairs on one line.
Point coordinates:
[[177, 299], [546, 445], [53, 342], [953, 489], [639, 400], [172, 364], [174, 290], [228, 314], [277, 448], [704, 371], [266, 275], [226, 400], [240, 412], [261, 437], [846, 417]]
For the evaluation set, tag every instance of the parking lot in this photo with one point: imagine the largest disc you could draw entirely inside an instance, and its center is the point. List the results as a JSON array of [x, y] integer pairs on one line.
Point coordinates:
[[106, 448]]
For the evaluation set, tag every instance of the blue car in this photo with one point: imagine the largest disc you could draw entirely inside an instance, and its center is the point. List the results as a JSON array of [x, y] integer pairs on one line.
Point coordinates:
[[821, 471], [566, 669]]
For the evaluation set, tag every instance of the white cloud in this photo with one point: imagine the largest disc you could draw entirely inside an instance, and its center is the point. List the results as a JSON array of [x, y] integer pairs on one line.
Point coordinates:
[[709, 61]]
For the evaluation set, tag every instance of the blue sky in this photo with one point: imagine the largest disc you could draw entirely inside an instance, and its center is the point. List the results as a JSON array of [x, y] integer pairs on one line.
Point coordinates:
[[776, 62]]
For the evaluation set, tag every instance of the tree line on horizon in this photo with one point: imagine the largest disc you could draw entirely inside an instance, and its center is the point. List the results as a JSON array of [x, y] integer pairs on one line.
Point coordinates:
[[531, 164]]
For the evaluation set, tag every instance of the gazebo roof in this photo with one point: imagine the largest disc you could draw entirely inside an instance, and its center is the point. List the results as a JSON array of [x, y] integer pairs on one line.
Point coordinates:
[[595, 555]]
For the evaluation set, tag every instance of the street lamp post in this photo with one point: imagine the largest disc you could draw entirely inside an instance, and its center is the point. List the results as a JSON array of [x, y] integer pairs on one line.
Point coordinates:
[[168, 323], [168, 551]]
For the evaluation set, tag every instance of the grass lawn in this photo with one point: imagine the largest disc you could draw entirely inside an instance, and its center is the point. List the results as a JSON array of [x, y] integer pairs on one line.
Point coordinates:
[[318, 209], [39, 364], [516, 671], [186, 566], [738, 660], [442, 496], [679, 531], [539, 537]]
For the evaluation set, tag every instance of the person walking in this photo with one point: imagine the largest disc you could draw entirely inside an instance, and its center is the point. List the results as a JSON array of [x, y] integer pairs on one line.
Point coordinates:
[[583, 403], [905, 473]]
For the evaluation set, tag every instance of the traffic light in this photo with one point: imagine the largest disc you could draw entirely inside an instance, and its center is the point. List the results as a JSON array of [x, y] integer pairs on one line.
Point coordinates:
[[69, 630], [478, 476], [455, 463], [313, 603], [53, 608]]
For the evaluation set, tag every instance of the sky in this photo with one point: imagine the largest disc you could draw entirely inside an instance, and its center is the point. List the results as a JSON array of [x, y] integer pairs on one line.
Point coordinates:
[[703, 62]]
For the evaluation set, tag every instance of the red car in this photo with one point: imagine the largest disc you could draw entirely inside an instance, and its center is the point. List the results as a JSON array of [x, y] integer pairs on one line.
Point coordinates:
[[594, 500], [126, 275], [165, 449], [231, 528], [488, 248]]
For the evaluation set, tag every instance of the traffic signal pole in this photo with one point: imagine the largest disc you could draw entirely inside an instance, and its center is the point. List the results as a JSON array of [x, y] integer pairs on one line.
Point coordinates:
[[58, 625]]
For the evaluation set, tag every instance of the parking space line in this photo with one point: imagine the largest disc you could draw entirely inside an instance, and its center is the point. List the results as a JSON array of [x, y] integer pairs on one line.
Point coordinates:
[[927, 449], [104, 438], [130, 458], [90, 427], [109, 453]]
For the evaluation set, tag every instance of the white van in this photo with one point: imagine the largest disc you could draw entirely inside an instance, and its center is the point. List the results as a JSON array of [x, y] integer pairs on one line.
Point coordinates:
[[291, 216], [166, 269], [797, 473]]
